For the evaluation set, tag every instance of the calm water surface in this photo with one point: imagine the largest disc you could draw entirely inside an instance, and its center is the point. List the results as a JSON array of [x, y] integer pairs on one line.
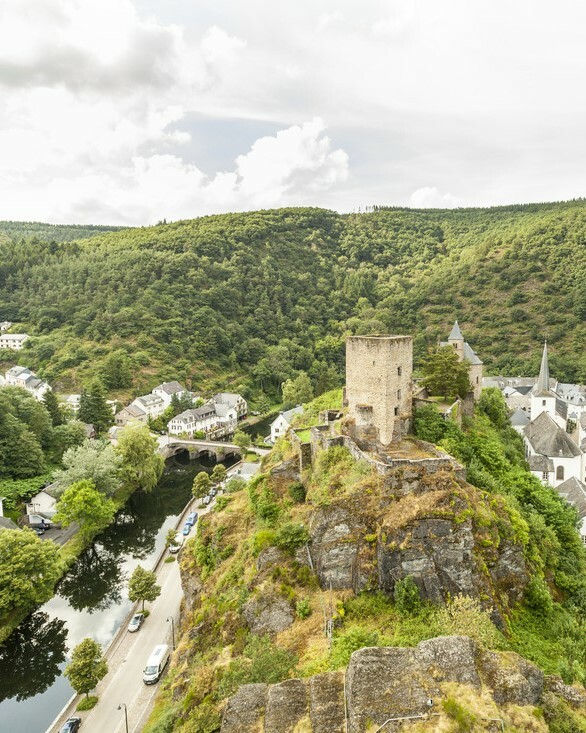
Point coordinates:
[[91, 601]]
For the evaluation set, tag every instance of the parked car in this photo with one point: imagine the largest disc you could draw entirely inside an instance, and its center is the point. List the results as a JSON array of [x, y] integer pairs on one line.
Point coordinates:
[[156, 664], [186, 529], [39, 531], [136, 622], [213, 492], [191, 519], [71, 725], [179, 540], [206, 500]]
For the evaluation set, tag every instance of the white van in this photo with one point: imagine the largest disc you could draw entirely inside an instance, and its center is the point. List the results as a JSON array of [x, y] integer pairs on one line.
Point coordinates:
[[156, 664], [179, 540]]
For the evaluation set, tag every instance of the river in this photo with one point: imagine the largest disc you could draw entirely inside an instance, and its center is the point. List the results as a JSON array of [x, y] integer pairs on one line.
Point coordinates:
[[91, 600]]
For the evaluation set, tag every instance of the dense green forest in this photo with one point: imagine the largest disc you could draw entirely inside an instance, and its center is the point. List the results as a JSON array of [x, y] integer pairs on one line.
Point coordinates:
[[15, 230], [246, 301]]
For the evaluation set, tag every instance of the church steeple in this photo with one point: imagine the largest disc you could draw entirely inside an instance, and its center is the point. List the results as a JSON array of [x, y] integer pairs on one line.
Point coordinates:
[[543, 379], [455, 333]]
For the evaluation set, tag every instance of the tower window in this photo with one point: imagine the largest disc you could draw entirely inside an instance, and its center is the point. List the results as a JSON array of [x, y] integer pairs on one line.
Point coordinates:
[[399, 371], [398, 394], [559, 473], [396, 411], [543, 402]]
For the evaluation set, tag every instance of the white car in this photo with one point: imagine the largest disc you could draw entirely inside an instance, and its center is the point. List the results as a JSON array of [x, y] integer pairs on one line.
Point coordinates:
[[136, 622], [179, 540]]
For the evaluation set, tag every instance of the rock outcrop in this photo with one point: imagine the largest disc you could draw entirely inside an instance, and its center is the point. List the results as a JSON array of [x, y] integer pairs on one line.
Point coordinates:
[[267, 614], [388, 682]]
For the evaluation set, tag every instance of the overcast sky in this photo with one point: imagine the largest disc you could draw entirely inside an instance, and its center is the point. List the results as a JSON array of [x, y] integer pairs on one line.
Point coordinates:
[[131, 111]]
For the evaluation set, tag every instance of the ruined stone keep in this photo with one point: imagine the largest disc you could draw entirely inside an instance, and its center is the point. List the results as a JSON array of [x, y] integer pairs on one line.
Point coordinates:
[[378, 384]]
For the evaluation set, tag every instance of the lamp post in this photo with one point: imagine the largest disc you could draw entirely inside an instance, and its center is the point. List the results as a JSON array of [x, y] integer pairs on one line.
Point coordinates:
[[170, 618], [123, 705]]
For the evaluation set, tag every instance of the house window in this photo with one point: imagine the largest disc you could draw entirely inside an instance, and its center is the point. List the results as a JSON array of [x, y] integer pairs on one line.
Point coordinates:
[[543, 402], [545, 475], [399, 371], [559, 473]]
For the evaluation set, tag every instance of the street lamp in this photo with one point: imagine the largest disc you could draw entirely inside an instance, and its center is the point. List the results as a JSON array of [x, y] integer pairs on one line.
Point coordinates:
[[170, 618], [123, 705]]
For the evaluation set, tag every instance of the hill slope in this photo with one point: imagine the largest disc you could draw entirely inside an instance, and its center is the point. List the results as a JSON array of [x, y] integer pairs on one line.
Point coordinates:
[[252, 298]]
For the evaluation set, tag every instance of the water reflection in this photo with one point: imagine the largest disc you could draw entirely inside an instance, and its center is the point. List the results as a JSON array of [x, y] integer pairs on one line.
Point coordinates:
[[31, 658], [96, 580]]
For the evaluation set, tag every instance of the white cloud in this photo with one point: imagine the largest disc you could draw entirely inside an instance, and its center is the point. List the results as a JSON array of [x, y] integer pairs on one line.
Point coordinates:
[[429, 197]]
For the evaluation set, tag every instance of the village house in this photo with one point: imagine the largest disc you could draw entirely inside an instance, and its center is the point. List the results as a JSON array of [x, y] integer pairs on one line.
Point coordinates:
[[42, 507], [233, 400], [5, 325], [131, 414], [282, 423], [214, 420], [5, 522], [166, 390], [26, 379], [14, 341], [151, 404]]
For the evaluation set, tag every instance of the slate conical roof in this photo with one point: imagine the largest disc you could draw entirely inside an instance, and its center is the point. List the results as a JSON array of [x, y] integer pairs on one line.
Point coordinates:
[[542, 386], [455, 333]]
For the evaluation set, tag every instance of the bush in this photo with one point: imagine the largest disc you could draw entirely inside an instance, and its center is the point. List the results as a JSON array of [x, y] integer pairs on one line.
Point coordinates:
[[262, 539], [87, 703], [429, 424], [291, 536], [464, 719], [537, 596], [303, 609], [354, 638], [297, 492], [407, 598], [236, 483], [203, 719]]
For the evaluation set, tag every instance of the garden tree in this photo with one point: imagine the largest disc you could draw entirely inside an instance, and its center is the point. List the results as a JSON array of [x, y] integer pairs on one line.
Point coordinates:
[[201, 485], [444, 374], [83, 504], [93, 408], [68, 435], [180, 404], [493, 404], [93, 460], [27, 410], [142, 586], [429, 424], [142, 464], [21, 455], [53, 407], [171, 537], [29, 569], [242, 439], [297, 391], [219, 473], [87, 667], [116, 371]]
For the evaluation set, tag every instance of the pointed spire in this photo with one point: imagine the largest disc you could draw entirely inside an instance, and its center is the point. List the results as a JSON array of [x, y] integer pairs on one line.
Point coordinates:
[[543, 379], [455, 333]]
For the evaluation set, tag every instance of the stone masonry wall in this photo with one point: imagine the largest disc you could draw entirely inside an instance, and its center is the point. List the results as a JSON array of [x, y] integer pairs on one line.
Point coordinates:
[[378, 376]]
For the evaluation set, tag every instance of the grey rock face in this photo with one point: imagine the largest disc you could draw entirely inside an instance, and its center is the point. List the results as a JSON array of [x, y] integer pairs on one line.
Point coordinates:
[[287, 705], [518, 681], [573, 696], [335, 534], [326, 706], [244, 711], [390, 682], [267, 614]]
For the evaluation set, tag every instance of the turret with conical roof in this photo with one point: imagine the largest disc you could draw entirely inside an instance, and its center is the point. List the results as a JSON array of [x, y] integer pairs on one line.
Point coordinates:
[[465, 352], [455, 333]]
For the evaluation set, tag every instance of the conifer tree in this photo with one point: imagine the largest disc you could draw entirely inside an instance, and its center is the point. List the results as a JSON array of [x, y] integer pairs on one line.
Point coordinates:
[[52, 404], [93, 408]]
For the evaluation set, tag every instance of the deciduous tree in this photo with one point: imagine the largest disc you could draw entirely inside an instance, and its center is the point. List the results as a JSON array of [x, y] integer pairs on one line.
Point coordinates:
[[93, 460], [219, 473], [142, 586], [445, 375], [87, 667], [201, 485], [83, 504], [142, 464]]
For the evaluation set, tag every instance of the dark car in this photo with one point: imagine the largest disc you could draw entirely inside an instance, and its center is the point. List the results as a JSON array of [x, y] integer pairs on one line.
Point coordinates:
[[71, 725]]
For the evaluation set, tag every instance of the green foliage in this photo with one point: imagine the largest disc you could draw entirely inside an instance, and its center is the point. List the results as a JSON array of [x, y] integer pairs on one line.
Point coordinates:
[[349, 641], [262, 500], [202, 484], [444, 374], [235, 484], [297, 492], [560, 717], [87, 667], [262, 661], [262, 539], [463, 615], [65, 436], [464, 719], [52, 406], [297, 391], [493, 404], [29, 568], [290, 536], [116, 371], [219, 473], [537, 596], [141, 464], [171, 538], [87, 703], [429, 423], [93, 408], [242, 439], [93, 461], [83, 504], [142, 586], [407, 597], [303, 609]]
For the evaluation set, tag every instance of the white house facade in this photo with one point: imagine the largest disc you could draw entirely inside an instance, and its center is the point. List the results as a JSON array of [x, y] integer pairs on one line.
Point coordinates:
[[166, 390], [234, 400], [25, 379], [151, 404], [14, 341], [282, 423], [215, 421]]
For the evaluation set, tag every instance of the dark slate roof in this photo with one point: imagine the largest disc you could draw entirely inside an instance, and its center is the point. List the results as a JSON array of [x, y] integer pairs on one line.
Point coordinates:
[[523, 389], [470, 355], [288, 414], [540, 463], [170, 387], [561, 408], [541, 388], [6, 523], [455, 333], [519, 417], [574, 492], [133, 411], [546, 437]]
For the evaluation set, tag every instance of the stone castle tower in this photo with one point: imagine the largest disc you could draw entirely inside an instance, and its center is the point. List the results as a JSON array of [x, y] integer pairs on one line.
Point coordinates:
[[378, 385], [465, 351]]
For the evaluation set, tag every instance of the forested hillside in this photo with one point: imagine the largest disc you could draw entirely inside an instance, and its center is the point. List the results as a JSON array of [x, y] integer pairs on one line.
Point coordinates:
[[15, 230], [249, 300]]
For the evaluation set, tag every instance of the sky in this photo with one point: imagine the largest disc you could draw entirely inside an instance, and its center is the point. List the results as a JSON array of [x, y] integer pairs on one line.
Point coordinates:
[[133, 111]]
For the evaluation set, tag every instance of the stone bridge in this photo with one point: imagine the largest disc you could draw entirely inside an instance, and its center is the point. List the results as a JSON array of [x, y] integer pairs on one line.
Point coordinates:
[[216, 449]]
